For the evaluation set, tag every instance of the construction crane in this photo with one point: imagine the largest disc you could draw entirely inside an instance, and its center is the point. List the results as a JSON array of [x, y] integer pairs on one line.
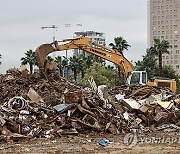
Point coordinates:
[[51, 27]]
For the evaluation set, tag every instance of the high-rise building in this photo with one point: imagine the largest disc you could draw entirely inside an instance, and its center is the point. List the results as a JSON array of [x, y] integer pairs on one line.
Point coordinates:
[[164, 23], [95, 36]]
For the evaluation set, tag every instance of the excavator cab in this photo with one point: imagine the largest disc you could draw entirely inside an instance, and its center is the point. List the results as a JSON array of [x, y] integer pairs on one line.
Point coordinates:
[[137, 77], [140, 77]]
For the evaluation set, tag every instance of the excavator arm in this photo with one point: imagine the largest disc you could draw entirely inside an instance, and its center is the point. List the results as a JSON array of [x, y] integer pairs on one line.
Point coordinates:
[[83, 43]]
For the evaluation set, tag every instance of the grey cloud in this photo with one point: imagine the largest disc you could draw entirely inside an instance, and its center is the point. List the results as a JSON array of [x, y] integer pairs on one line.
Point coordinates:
[[21, 21]]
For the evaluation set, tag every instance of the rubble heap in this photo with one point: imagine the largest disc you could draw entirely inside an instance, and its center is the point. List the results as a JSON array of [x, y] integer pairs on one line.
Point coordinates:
[[34, 107]]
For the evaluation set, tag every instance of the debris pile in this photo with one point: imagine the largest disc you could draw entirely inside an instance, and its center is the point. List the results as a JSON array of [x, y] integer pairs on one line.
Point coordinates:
[[34, 107]]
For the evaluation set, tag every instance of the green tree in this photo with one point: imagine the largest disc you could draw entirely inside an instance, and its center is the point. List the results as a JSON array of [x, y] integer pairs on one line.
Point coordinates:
[[65, 65], [50, 59], [74, 65], [83, 64], [148, 64], [59, 62], [99, 60], [29, 59], [119, 45], [169, 72], [101, 75], [159, 48]]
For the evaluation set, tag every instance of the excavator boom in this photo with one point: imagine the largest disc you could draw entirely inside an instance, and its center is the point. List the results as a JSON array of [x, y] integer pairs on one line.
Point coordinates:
[[83, 43]]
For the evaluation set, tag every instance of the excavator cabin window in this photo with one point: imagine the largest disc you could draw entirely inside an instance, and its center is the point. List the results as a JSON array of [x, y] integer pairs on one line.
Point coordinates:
[[135, 79]]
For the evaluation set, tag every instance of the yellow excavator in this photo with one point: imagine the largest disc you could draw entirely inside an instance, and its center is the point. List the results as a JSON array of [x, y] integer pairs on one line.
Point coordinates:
[[86, 44]]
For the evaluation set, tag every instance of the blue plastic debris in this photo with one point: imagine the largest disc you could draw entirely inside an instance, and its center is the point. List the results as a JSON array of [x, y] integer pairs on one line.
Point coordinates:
[[103, 142]]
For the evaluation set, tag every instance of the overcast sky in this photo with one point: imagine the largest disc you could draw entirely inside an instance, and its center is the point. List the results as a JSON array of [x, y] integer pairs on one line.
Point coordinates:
[[21, 22]]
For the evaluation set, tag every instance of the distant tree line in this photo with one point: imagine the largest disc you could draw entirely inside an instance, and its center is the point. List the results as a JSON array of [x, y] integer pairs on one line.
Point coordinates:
[[83, 66]]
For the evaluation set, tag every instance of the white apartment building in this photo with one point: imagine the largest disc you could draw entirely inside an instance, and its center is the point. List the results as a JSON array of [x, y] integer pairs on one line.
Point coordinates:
[[96, 37], [164, 23]]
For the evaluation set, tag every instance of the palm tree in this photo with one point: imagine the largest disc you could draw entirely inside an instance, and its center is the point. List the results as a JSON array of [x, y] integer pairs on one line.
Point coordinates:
[[120, 45], [29, 59], [74, 65], [99, 60], [65, 64], [159, 48], [59, 61], [50, 59], [89, 60], [83, 64]]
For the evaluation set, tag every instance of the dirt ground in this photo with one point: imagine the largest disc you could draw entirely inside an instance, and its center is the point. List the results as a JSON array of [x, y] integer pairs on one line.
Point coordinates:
[[89, 144]]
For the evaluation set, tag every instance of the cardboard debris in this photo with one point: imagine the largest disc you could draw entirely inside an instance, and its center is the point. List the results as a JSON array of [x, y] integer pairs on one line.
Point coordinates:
[[34, 96]]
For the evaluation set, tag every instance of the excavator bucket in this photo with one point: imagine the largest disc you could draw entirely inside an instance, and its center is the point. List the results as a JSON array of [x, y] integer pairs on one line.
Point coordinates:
[[41, 53]]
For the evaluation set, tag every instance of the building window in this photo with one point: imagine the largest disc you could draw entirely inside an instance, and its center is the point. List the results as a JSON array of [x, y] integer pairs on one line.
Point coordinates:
[[177, 66], [177, 51], [175, 46], [177, 6], [167, 57], [177, 36], [175, 62], [175, 41], [175, 16], [175, 56]]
